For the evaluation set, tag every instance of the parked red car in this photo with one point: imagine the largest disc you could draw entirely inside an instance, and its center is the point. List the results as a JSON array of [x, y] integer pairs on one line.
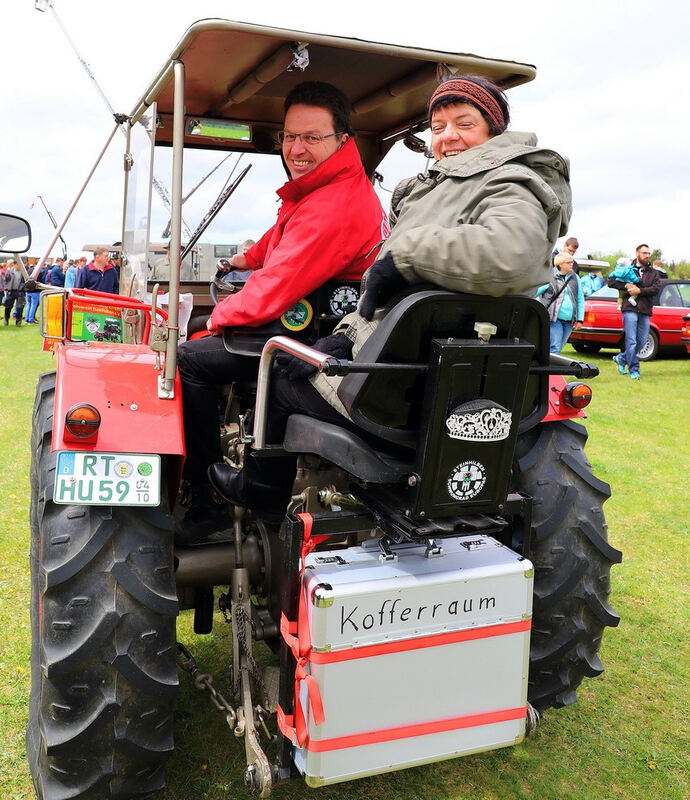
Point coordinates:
[[603, 323]]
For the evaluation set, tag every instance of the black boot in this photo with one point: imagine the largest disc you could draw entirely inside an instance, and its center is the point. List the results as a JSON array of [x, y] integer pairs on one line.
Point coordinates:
[[263, 485], [203, 517]]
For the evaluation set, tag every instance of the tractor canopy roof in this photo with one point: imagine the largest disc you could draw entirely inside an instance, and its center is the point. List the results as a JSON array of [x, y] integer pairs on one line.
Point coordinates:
[[238, 72]]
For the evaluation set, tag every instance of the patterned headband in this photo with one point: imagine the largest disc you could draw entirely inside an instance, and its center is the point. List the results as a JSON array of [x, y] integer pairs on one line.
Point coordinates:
[[468, 90]]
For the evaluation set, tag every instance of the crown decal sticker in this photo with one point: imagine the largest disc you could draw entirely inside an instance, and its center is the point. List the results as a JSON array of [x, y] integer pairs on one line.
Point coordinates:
[[479, 421]]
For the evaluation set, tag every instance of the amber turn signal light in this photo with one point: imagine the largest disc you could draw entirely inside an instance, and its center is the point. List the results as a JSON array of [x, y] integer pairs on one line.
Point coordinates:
[[576, 395], [83, 421], [53, 315]]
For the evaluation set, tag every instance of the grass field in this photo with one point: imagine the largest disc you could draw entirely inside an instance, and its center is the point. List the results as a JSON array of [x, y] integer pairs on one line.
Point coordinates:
[[626, 738]]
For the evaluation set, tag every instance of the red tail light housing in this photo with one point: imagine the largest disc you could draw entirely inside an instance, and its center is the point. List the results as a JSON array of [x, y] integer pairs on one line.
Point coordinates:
[[82, 421], [576, 395]]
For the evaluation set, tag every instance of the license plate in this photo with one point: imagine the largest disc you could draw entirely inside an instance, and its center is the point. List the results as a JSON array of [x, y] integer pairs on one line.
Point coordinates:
[[107, 479]]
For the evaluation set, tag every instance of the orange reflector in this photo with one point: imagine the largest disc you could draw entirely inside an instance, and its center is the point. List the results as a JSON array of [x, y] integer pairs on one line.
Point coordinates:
[[576, 395], [82, 421], [53, 315]]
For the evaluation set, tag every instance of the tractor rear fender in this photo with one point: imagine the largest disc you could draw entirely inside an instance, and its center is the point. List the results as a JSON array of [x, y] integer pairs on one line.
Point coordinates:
[[121, 383], [558, 409]]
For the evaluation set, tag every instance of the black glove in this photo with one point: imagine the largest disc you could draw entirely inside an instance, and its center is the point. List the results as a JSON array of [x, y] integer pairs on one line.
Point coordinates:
[[337, 345], [383, 281], [31, 285]]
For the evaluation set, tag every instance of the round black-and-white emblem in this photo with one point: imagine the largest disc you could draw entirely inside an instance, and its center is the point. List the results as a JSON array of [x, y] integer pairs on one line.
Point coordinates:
[[344, 300], [466, 480]]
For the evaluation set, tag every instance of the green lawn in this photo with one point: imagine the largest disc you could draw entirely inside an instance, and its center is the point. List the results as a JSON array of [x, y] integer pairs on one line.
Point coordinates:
[[626, 738]]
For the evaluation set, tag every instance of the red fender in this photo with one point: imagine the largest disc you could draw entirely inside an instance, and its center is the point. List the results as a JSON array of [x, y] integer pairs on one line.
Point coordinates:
[[558, 410], [121, 382]]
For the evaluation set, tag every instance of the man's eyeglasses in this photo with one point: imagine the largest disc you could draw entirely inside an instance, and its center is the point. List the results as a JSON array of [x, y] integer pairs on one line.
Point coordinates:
[[308, 139]]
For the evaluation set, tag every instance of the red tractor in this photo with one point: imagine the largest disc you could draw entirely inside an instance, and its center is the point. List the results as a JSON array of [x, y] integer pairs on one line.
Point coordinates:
[[468, 547]]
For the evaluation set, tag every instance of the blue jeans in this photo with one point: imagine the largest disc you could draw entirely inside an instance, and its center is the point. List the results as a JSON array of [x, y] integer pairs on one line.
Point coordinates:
[[558, 335], [636, 327], [31, 305]]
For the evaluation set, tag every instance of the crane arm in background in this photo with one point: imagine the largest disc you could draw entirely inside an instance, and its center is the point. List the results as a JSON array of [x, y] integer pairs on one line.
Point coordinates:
[[55, 225], [42, 5]]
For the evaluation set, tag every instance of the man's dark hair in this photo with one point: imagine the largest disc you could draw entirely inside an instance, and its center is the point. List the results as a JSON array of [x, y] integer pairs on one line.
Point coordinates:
[[488, 86], [573, 241], [640, 246], [323, 95]]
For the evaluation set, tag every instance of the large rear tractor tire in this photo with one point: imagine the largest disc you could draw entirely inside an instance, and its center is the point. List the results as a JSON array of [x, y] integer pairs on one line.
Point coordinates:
[[103, 654], [572, 560]]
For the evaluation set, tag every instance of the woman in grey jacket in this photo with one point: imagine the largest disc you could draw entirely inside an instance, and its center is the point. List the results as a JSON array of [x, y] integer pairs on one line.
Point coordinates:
[[484, 220]]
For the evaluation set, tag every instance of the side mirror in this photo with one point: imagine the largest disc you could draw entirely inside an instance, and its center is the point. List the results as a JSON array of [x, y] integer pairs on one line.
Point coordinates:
[[15, 234]]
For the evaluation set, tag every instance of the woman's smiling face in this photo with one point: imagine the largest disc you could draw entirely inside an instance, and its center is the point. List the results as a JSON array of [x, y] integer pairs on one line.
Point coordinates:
[[455, 128]]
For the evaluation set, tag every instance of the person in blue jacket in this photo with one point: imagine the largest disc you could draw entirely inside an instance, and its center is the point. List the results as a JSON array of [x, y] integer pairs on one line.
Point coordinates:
[[56, 275], [591, 282], [99, 274], [564, 300]]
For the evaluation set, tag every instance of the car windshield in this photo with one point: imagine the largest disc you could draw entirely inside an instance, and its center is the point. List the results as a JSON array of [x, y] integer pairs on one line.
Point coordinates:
[[605, 293]]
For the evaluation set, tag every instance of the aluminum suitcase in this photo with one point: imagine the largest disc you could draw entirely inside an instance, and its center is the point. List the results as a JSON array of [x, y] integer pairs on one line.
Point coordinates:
[[416, 660]]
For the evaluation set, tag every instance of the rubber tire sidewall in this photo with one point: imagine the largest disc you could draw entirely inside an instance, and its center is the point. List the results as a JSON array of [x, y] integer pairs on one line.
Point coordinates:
[[651, 347], [571, 557], [106, 706], [585, 347]]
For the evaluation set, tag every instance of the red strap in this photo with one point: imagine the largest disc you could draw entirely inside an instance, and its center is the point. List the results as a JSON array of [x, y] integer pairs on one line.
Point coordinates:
[[286, 725], [301, 645], [433, 640], [422, 729]]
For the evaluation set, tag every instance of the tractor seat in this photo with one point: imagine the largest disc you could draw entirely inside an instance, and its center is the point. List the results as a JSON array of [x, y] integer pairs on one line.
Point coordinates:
[[344, 449]]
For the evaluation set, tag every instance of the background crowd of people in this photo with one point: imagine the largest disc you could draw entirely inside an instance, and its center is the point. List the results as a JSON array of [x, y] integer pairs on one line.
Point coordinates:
[[638, 285], [21, 305]]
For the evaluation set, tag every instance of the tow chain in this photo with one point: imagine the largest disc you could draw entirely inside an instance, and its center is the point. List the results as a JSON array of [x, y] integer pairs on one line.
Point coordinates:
[[204, 682], [240, 624], [242, 621]]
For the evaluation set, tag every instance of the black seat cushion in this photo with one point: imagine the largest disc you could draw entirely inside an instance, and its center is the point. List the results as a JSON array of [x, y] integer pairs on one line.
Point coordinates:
[[344, 449]]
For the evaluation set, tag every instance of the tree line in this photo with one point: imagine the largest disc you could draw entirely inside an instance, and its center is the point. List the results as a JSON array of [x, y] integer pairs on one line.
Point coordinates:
[[674, 269]]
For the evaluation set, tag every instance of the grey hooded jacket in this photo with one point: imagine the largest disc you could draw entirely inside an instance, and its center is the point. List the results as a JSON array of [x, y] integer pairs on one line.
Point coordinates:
[[484, 221]]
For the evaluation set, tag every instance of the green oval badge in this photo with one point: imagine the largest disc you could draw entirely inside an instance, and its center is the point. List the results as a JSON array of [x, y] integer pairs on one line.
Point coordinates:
[[299, 316]]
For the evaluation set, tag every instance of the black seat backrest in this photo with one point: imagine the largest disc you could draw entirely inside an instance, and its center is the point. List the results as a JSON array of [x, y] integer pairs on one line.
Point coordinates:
[[389, 404]]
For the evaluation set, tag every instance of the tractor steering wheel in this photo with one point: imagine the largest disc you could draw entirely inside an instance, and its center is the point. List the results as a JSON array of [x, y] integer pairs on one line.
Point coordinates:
[[218, 285]]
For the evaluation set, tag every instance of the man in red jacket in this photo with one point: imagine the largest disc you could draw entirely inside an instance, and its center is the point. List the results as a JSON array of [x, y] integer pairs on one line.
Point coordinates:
[[328, 227]]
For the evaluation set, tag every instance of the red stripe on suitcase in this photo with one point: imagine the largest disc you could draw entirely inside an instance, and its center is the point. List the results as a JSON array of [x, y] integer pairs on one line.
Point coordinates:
[[408, 731], [435, 640]]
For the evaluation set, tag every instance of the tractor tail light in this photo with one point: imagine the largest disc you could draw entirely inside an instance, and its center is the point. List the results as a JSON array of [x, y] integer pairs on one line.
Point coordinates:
[[82, 421], [576, 395]]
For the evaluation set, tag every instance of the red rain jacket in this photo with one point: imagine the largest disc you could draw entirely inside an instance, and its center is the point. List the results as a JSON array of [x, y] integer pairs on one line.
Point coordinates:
[[328, 226]]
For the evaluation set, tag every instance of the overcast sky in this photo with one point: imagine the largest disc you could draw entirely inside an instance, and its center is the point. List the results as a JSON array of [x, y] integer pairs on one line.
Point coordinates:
[[610, 94]]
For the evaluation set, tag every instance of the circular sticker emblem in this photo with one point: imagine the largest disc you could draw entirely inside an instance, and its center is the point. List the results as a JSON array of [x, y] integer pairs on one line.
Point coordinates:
[[466, 480], [144, 468], [343, 300], [299, 316], [123, 469]]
